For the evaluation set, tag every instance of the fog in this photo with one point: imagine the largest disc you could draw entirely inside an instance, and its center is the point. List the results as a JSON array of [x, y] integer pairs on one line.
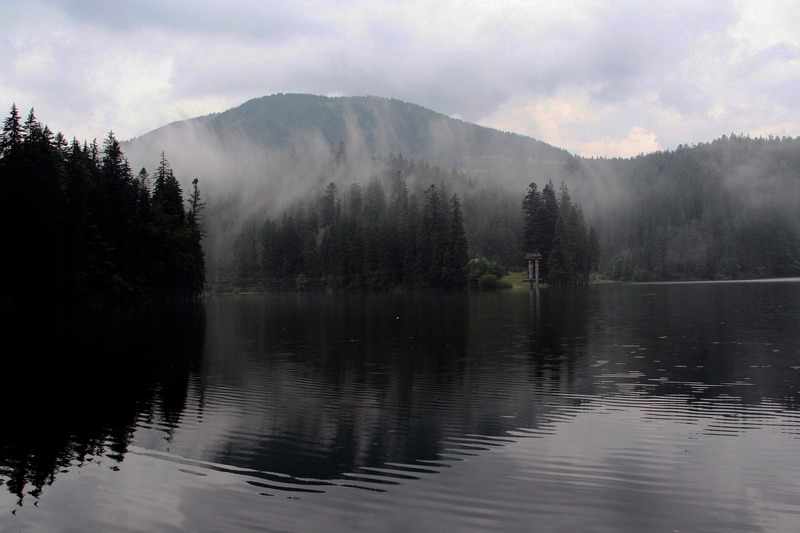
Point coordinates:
[[251, 170], [276, 153]]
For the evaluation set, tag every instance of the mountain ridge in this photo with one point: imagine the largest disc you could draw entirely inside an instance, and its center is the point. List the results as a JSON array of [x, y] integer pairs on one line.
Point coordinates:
[[717, 210], [370, 125]]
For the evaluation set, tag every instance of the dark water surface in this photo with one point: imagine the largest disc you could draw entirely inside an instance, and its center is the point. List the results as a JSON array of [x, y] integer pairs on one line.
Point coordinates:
[[648, 407]]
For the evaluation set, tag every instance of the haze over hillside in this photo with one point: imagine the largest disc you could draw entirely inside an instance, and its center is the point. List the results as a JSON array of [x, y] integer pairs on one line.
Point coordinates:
[[257, 160], [310, 126], [722, 209]]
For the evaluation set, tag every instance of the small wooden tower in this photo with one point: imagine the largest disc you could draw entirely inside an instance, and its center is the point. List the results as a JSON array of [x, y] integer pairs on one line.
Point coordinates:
[[533, 268]]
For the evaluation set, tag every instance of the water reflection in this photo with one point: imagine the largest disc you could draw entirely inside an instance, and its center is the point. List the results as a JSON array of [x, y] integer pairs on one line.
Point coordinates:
[[80, 382], [309, 394], [704, 341]]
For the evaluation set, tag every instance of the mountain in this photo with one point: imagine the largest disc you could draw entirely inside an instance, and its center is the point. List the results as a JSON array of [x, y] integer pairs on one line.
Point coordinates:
[[718, 210], [269, 154], [367, 126]]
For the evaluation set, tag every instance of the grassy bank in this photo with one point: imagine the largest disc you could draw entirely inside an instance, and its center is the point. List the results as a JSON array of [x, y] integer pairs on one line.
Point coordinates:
[[517, 280]]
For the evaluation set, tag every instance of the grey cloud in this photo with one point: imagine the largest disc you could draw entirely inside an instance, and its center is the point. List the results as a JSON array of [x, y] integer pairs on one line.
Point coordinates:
[[260, 20], [776, 74], [636, 49], [625, 46], [621, 53], [686, 97]]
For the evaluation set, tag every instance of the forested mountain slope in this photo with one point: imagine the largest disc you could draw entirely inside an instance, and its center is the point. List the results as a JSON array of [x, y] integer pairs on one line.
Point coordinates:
[[723, 209], [365, 126]]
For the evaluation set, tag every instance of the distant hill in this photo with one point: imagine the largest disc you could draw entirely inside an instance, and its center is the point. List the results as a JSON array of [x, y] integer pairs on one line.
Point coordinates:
[[718, 210], [365, 125]]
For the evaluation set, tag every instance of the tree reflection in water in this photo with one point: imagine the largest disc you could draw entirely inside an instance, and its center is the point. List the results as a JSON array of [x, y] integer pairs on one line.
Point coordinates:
[[308, 391], [78, 380]]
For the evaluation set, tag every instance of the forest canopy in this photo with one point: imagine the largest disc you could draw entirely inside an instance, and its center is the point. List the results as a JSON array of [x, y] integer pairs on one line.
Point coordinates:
[[304, 197], [77, 223], [727, 209], [379, 236]]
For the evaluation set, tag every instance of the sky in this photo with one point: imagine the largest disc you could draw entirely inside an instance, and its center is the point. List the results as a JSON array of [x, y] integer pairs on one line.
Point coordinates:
[[600, 78]]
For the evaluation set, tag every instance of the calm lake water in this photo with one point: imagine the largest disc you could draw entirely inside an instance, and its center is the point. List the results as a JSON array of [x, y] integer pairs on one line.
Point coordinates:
[[645, 407]]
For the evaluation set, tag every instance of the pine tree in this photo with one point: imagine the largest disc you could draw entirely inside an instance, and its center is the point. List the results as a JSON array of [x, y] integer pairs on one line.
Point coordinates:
[[456, 253], [114, 205], [431, 240], [81, 225], [43, 208], [82, 255], [570, 252], [11, 138], [32, 129], [167, 194], [328, 205], [547, 222], [533, 215], [594, 250], [558, 261]]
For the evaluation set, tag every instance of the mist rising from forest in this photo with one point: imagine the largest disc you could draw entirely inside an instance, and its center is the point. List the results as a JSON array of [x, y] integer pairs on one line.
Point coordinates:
[[245, 182], [232, 167], [258, 179], [229, 154], [695, 194]]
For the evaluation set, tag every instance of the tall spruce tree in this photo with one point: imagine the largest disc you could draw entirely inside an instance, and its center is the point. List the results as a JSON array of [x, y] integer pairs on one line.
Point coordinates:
[[456, 253], [167, 194], [11, 138], [533, 219], [570, 251], [80, 225]]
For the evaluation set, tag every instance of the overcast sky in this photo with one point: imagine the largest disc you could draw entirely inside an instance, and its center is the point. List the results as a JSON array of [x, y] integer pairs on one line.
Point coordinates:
[[599, 78]]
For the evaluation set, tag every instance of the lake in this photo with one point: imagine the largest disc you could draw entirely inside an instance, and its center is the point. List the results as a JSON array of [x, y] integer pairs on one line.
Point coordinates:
[[630, 407]]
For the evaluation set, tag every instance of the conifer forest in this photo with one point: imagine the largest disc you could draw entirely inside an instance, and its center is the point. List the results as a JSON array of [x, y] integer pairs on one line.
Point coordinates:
[[79, 223]]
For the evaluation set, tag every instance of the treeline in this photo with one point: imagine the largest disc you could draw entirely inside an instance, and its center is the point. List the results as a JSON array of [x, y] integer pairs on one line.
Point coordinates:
[[556, 228], [395, 232], [721, 210], [360, 238], [75, 222], [405, 228]]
